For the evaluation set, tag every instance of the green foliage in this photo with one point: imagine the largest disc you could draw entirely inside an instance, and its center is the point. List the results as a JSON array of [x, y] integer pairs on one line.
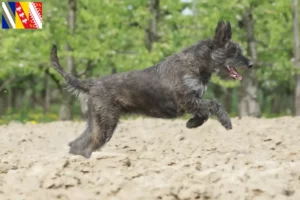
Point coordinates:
[[112, 35]]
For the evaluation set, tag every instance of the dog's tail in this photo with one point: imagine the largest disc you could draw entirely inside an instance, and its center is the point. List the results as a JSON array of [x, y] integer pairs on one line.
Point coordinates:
[[76, 85]]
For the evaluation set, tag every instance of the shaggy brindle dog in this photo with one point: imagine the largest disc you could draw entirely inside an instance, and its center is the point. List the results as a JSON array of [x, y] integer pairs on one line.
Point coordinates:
[[167, 90]]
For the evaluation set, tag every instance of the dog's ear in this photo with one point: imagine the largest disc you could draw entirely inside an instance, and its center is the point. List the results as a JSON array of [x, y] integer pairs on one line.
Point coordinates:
[[223, 33], [228, 30]]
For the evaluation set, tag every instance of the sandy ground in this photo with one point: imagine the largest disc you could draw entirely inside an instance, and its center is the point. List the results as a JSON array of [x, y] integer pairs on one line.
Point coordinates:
[[154, 159]]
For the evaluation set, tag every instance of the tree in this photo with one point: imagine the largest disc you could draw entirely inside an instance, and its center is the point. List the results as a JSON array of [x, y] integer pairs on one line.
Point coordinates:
[[151, 32], [249, 105], [66, 107], [296, 56]]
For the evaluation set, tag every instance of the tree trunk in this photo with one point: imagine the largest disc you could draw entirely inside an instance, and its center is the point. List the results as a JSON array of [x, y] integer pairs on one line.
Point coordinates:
[[276, 104], [195, 6], [33, 92], [9, 97], [249, 105], [2, 103], [151, 34], [296, 56], [66, 107], [4, 98], [47, 92], [19, 95], [228, 100], [113, 69]]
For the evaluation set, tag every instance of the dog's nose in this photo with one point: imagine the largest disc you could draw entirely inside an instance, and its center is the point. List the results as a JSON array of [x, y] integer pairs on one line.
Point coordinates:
[[250, 64]]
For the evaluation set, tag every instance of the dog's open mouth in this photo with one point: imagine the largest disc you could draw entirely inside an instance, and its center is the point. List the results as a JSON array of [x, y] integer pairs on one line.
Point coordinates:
[[233, 73]]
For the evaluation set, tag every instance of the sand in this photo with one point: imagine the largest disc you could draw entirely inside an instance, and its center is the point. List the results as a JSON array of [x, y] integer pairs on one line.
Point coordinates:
[[150, 159]]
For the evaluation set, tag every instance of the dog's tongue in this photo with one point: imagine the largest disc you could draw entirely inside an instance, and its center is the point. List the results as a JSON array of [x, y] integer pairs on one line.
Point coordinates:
[[233, 73]]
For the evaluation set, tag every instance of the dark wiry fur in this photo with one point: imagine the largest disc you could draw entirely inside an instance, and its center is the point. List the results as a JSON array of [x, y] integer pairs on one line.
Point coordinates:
[[166, 90]]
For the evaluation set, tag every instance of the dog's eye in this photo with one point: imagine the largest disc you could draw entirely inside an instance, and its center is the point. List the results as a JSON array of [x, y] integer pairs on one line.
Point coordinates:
[[232, 51]]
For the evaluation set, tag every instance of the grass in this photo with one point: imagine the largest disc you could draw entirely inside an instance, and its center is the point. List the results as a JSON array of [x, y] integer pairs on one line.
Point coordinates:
[[25, 116]]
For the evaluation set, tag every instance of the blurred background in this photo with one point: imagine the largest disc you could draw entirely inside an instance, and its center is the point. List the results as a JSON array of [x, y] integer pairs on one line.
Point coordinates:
[[99, 38]]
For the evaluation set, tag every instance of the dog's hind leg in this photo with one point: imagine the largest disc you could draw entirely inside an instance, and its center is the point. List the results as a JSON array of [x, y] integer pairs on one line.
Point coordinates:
[[87, 130], [104, 121]]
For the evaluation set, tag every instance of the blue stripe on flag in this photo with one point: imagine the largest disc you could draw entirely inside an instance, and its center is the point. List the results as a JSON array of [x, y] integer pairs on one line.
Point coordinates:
[[4, 23], [12, 6]]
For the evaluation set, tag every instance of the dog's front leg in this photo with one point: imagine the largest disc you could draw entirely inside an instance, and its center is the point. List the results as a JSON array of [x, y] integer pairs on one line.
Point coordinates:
[[202, 109], [196, 121], [194, 89]]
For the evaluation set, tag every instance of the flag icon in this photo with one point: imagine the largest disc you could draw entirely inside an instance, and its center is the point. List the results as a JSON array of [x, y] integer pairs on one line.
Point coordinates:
[[22, 15]]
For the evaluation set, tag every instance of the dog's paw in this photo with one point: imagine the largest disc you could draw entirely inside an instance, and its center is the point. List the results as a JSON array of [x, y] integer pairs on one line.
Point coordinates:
[[196, 122], [227, 124], [82, 152], [70, 143], [224, 119], [81, 147]]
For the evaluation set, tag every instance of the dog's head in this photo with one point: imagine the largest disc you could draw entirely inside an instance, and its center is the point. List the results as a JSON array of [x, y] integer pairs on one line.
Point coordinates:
[[227, 55]]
